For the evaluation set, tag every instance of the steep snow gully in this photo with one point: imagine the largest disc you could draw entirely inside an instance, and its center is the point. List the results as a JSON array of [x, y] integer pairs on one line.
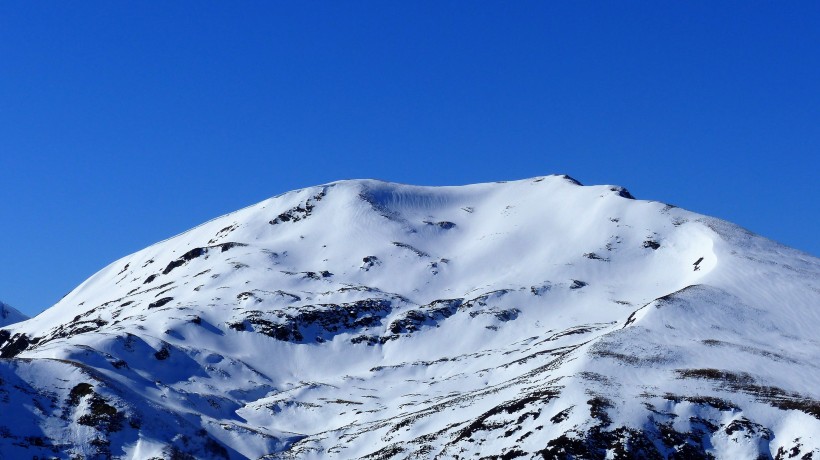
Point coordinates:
[[362, 319]]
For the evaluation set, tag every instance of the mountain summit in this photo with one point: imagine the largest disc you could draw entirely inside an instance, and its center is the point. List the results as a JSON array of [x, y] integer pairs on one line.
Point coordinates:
[[9, 315], [362, 319]]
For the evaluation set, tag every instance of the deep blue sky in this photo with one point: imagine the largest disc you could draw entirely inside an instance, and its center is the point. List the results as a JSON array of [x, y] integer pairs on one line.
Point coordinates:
[[122, 123]]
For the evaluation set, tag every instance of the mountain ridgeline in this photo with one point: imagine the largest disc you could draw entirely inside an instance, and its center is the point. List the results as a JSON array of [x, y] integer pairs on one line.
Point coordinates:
[[534, 319]]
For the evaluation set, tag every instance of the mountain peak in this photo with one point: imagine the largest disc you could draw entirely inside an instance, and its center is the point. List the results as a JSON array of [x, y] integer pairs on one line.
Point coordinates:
[[9, 315], [366, 319]]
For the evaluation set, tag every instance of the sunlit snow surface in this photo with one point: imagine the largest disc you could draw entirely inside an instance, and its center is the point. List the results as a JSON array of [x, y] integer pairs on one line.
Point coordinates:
[[529, 319]]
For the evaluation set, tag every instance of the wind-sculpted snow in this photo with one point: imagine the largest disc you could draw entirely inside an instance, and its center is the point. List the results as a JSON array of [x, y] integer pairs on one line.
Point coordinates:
[[364, 319]]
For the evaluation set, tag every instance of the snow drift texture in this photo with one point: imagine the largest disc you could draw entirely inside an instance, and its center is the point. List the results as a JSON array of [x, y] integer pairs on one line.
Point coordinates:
[[363, 319]]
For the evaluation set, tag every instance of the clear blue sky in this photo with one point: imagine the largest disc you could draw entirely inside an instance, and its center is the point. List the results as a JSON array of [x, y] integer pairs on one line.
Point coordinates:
[[122, 123]]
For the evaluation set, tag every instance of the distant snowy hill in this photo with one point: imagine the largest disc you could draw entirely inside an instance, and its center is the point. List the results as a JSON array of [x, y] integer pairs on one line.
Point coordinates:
[[9, 315], [363, 319]]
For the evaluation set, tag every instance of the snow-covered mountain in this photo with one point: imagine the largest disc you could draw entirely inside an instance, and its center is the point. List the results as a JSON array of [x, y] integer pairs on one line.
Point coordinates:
[[363, 319], [9, 315]]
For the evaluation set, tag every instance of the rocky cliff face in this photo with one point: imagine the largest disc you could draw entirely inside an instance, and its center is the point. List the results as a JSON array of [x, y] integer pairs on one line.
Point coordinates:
[[362, 319]]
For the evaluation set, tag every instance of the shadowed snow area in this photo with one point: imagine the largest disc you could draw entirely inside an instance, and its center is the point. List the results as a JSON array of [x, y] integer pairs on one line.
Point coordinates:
[[9, 315], [364, 319]]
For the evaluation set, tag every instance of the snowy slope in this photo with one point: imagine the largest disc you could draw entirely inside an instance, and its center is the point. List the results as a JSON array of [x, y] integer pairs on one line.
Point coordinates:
[[9, 315], [363, 319]]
